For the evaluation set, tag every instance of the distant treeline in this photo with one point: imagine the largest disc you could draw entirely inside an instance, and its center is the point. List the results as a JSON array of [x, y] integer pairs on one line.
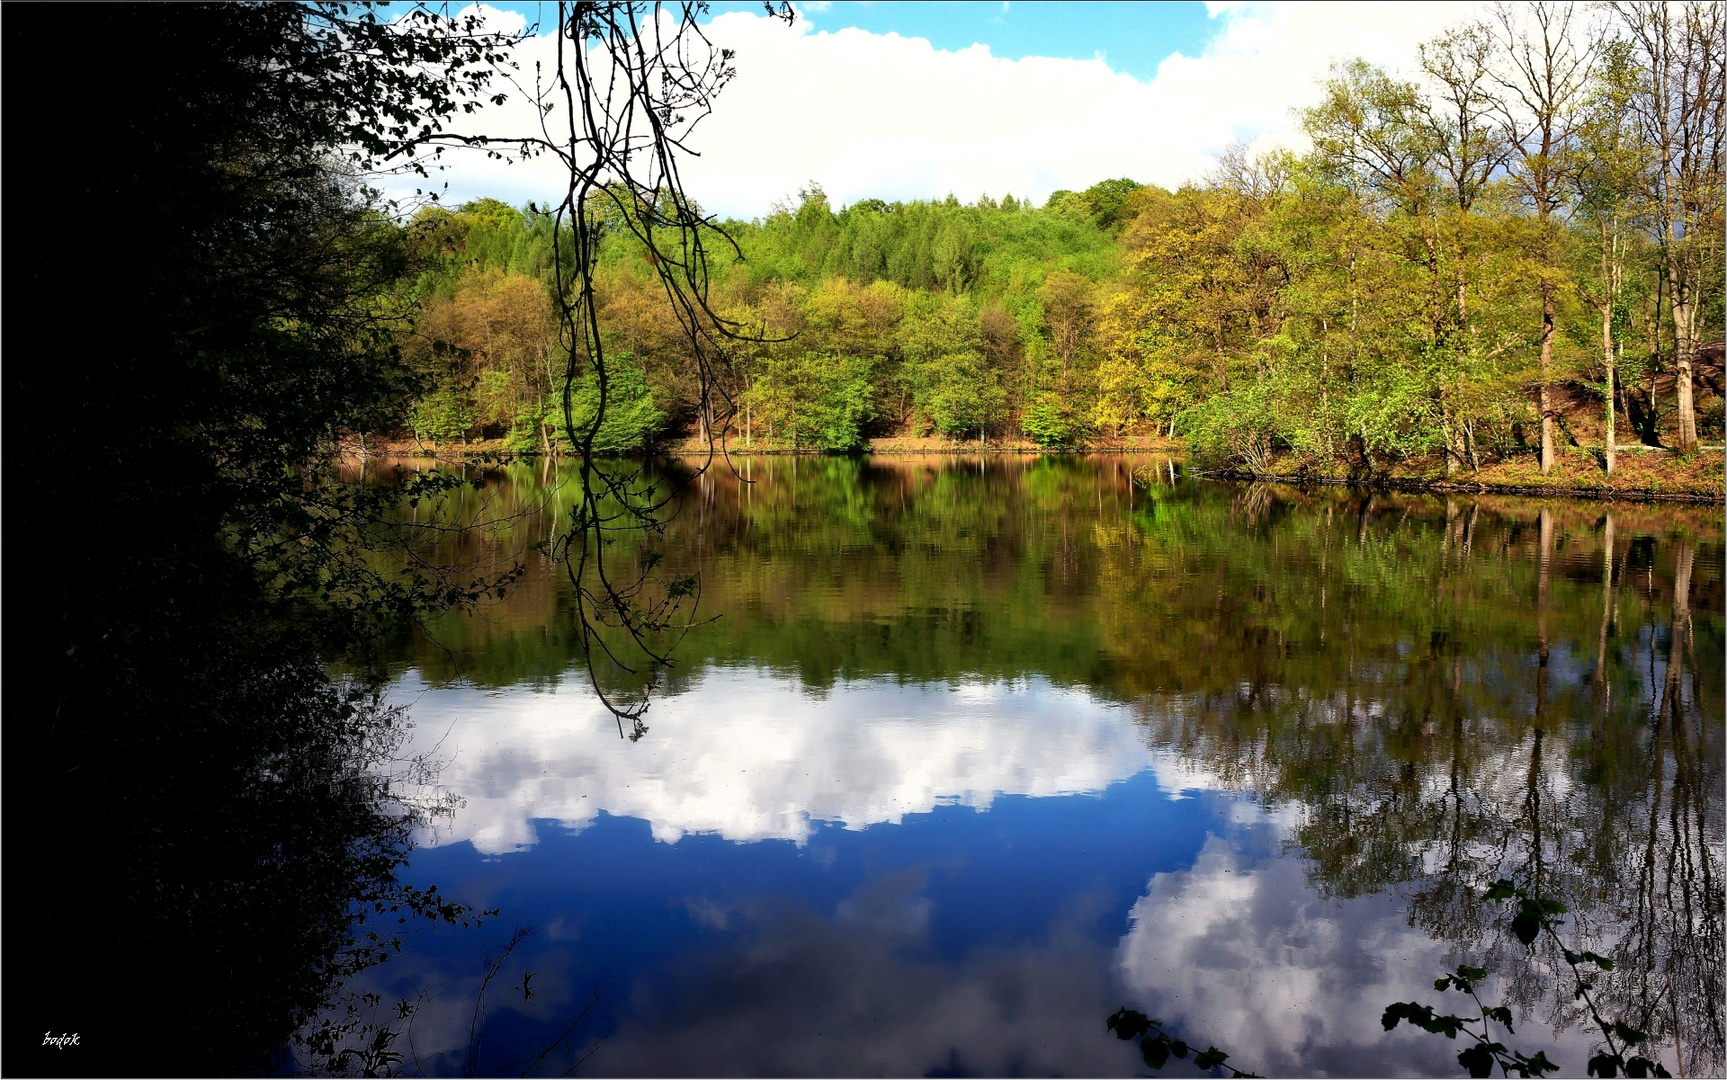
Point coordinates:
[[1519, 249]]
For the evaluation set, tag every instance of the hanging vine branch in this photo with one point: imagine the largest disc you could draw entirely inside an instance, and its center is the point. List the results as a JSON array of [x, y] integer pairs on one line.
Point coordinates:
[[629, 85]]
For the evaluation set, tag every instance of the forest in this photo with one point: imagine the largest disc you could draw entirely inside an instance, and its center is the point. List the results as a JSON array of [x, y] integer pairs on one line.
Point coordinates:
[[1516, 251], [1520, 251]]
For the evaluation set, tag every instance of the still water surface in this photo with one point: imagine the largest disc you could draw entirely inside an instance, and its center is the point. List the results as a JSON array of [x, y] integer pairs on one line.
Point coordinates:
[[979, 750]]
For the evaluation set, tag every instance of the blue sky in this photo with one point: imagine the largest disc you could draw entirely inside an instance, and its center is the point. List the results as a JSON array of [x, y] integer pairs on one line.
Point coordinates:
[[889, 100], [1133, 37]]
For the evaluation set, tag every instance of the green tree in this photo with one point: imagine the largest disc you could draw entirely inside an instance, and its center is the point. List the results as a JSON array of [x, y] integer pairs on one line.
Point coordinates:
[[1606, 168], [1543, 75], [816, 401], [951, 382], [1678, 105], [632, 421]]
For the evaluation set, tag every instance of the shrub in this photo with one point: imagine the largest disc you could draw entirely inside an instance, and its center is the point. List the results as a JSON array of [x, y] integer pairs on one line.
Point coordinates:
[[815, 400], [632, 421]]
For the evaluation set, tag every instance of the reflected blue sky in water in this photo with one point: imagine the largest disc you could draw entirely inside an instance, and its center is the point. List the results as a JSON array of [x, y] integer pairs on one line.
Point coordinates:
[[979, 753], [937, 939]]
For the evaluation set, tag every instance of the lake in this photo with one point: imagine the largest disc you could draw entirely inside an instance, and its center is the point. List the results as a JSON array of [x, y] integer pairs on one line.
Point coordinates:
[[975, 751]]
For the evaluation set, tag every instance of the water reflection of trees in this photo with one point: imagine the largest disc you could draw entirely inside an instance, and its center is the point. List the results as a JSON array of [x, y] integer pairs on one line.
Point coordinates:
[[1586, 767], [1447, 690]]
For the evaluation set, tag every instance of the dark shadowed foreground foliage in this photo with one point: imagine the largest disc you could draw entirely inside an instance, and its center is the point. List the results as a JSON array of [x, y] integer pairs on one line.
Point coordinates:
[[200, 837]]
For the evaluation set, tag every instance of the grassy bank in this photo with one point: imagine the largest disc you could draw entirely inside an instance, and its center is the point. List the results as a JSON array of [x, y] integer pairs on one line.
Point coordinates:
[[497, 449], [1639, 474]]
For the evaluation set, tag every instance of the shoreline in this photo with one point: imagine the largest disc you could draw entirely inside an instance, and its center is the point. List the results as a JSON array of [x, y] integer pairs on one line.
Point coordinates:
[[1416, 485], [1645, 474]]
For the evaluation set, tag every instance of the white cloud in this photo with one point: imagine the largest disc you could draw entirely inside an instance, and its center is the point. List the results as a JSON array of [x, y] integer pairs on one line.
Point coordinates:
[[751, 756], [893, 117], [1250, 958]]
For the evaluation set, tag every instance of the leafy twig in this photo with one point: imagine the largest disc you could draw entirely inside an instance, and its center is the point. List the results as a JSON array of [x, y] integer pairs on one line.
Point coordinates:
[[1534, 917], [1486, 1052], [1157, 1046]]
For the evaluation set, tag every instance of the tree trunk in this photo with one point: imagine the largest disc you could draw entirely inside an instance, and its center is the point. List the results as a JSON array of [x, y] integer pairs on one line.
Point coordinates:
[[1609, 286], [1611, 452], [1684, 354], [1678, 630], [1542, 574], [1453, 457], [1684, 315], [1602, 684], [1547, 313], [1222, 364], [1682, 566]]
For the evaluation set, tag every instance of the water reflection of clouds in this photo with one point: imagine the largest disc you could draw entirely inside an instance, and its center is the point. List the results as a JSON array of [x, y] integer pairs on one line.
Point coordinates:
[[1247, 955], [1228, 941], [785, 988], [956, 941], [861, 991], [750, 756], [1237, 949]]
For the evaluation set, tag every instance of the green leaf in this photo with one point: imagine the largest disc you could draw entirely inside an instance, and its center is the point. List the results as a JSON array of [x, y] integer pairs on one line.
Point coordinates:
[[1128, 1023], [1155, 1051], [1210, 1058], [1527, 924], [1630, 1035], [1477, 1059], [1448, 1026]]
